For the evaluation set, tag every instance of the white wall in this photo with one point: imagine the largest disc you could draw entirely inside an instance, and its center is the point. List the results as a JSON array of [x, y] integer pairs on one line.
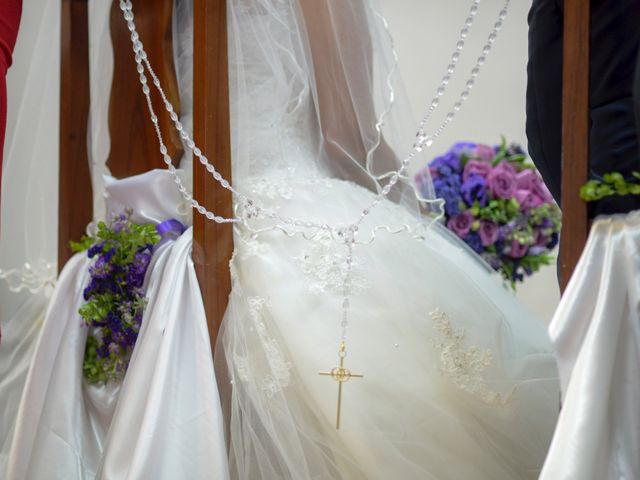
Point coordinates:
[[425, 33]]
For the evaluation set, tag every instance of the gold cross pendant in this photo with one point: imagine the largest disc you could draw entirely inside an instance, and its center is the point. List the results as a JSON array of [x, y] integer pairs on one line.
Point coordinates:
[[341, 375]]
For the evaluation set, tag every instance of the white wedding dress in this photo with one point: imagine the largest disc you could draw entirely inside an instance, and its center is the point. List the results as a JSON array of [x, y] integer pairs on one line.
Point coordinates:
[[459, 379]]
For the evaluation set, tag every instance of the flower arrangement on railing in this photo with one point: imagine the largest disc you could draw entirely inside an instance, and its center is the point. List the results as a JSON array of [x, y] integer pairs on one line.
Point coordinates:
[[115, 297], [612, 183], [496, 202]]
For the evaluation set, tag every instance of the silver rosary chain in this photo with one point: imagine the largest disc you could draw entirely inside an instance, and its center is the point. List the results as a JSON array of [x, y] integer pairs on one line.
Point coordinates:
[[251, 208]]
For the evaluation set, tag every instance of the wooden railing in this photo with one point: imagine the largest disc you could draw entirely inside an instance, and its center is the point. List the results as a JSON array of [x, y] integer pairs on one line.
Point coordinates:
[[575, 134]]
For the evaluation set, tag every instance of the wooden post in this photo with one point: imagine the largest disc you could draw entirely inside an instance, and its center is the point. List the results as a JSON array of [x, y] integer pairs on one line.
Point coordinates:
[[575, 134], [75, 197], [212, 243], [134, 148]]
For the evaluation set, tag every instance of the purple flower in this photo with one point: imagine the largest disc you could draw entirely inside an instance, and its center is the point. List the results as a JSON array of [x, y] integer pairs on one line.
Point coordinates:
[[554, 241], [95, 249], [518, 250], [474, 189], [541, 240], [488, 233], [476, 167], [484, 153], [449, 190], [466, 149], [473, 240], [101, 269], [461, 224], [525, 179], [445, 165], [504, 231], [528, 199], [541, 190], [502, 180]]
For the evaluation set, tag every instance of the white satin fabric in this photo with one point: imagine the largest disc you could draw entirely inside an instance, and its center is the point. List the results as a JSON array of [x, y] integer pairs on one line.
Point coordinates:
[[164, 420], [596, 335]]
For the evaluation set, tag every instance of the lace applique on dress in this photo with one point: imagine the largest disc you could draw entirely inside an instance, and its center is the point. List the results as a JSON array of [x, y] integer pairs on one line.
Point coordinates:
[[325, 264], [278, 370], [271, 188], [464, 366]]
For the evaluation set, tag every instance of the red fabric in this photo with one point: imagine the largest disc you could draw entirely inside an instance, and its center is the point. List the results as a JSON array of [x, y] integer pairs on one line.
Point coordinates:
[[10, 11]]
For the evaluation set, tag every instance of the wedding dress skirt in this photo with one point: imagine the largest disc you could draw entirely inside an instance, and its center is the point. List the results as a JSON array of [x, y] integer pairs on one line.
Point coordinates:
[[596, 335], [164, 420], [459, 379]]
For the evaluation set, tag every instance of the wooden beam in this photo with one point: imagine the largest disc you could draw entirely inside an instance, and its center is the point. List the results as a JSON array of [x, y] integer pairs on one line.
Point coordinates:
[[213, 243], [134, 149], [575, 134], [75, 197]]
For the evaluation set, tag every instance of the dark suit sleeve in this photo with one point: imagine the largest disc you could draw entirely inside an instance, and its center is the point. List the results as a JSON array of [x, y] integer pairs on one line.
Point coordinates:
[[613, 139]]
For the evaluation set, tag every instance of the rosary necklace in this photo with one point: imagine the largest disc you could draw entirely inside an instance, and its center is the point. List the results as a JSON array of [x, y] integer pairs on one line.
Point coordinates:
[[344, 234]]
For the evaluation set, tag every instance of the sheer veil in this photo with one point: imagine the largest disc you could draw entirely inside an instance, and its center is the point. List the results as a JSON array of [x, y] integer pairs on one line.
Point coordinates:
[[28, 235], [328, 64]]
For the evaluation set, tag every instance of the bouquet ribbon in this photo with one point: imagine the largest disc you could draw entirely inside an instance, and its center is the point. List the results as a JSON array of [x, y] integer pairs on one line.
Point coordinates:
[[169, 230]]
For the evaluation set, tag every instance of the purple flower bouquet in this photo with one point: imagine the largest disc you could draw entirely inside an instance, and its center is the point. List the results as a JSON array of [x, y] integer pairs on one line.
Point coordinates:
[[497, 203], [115, 297]]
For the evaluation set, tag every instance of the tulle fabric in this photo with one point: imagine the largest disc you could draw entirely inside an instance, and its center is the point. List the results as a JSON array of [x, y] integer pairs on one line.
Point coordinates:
[[328, 88], [28, 244], [596, 335]]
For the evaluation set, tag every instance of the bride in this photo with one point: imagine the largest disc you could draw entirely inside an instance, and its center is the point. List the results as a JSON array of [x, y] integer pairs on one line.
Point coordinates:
[[456, 380]]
